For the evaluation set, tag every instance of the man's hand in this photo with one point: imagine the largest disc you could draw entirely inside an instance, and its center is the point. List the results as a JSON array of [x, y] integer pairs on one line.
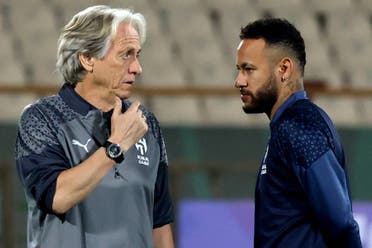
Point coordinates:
[[127, 128]]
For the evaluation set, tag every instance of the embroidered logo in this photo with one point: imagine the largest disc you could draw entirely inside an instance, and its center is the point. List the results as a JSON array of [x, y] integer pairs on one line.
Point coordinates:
[[264, 167], [141, 147], [77, 143]]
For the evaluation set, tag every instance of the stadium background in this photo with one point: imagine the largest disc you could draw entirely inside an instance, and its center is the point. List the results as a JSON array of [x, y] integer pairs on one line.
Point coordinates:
[[188, 72]]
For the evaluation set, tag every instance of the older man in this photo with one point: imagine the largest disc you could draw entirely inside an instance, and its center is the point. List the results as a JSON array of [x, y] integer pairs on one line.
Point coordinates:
[[93, 164]]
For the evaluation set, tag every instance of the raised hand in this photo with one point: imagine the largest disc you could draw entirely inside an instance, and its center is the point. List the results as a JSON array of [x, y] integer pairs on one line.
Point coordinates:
[[127, 128]]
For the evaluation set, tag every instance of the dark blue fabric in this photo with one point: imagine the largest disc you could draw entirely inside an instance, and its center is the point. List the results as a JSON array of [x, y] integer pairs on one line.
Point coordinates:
[[39, 173], [302, 194], [40, 160], [74, 100], [163, 210], [327, 193]]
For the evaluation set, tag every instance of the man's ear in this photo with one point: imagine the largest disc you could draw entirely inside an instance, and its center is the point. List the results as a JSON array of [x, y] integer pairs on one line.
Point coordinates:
[[286, 68], [87, 62]]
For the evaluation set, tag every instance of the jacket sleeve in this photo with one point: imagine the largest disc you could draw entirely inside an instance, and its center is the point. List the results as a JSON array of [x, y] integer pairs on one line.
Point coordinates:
[[324, 182], [311, 151], [39, 158], [163, 207]]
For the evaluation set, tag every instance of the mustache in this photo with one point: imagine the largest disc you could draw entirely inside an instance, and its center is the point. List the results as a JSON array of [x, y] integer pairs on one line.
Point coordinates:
[[245, 92]]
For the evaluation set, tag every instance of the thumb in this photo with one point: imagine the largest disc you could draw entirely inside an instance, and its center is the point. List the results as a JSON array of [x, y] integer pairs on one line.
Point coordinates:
[[117, 107]]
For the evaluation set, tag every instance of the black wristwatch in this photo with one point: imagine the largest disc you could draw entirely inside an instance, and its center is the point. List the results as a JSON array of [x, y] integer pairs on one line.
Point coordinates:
[[114, 151]]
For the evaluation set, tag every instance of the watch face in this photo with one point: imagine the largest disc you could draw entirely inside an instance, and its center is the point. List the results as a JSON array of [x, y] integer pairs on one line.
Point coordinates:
[[114, 150]]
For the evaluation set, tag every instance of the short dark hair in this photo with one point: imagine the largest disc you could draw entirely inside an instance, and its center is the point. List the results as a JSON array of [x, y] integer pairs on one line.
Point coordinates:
[[277, 32]]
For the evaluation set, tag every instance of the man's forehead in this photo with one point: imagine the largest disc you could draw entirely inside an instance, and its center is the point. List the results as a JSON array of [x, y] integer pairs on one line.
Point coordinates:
[[251, 51], [128, 38], [253, 44], [127, 34]]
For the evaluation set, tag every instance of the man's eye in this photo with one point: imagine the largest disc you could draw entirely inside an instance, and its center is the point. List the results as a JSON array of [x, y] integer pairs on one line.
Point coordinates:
[[130, 54]]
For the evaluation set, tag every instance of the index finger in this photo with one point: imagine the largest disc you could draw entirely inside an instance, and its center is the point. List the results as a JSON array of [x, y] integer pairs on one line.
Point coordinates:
[[134, 106], [117, 107]]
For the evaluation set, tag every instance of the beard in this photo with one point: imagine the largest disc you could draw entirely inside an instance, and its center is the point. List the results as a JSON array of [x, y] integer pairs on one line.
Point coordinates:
[[264, 100]]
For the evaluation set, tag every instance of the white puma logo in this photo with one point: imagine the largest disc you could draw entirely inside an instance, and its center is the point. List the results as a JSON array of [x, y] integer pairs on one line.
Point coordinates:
[[77, 143]]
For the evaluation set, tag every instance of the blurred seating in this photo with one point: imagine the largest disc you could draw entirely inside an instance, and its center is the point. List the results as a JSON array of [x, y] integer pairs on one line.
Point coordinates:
[[11, 105], [33, 25], [228, 20], [342, 110], [366, 112], [193, 43], [161, 66], [201, 56], [332, 6], [11, 71], [220, 110], [366, 5], [282, 7], [350, 35], [177, 110], [361, 77]]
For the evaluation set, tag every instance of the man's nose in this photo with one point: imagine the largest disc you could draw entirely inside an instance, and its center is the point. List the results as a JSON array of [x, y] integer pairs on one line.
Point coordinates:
[[135, 67], [239, 81]]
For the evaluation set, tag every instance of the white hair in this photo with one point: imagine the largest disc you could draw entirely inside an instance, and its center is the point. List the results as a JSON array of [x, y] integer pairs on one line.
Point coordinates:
[[91, 32]]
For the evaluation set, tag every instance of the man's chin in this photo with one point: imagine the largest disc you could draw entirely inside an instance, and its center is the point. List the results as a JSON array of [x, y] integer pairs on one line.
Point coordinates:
[[250, 110], [124, 94]]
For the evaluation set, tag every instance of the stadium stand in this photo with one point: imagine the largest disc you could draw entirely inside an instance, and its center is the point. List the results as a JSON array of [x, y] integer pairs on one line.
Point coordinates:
[[10, 70], [193, 43]]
